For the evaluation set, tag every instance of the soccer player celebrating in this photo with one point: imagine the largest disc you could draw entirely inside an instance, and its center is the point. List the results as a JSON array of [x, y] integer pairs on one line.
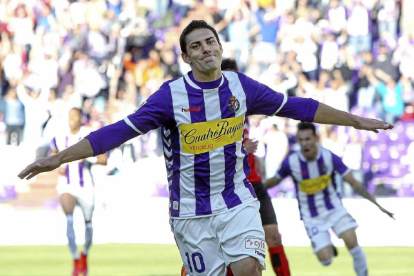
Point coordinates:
[[213, 207], [313, 170], [267, 213], [76, 187]]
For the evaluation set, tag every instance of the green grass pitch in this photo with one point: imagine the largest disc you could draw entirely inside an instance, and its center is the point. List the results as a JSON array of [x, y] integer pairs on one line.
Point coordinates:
[[157, 260]]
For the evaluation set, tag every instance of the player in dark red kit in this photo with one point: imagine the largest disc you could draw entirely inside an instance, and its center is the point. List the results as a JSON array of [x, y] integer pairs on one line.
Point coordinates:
[[267, 213]]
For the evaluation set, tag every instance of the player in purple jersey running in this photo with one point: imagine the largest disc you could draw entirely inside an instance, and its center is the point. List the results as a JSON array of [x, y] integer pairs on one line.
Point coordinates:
[[76, 187], [313, 170], [213, 207]]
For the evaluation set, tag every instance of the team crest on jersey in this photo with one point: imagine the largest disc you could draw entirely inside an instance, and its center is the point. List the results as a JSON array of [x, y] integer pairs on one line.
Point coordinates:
[[234, 104]]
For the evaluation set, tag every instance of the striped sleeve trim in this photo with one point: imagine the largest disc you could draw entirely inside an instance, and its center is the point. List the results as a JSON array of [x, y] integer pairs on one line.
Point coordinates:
[[346, 172], [285, 98], [128, 122]]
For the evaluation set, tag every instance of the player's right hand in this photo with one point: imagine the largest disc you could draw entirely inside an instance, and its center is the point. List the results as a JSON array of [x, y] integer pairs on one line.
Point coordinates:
[[250, 145], [42, 165], [391, 215]]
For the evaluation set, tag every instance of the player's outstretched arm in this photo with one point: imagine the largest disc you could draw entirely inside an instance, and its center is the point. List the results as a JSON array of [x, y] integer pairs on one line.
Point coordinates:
[[80, 150], [273, 181], [360, 189], [328, 115]]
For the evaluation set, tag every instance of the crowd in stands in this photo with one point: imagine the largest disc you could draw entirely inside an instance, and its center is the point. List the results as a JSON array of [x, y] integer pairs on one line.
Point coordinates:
[[107, 56]]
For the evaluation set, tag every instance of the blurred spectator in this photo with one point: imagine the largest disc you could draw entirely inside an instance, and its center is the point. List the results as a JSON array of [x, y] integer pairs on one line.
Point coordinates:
[[307, 56], [391, 95], [277, 147], [239, 34], [35, 105], [388, 18], [336, 16], [365, 90], [265, 49], [87, 82], [13, 116], [332, 143], [337, 94], [385, 63], [13, 63], [358, 28], [407, 18], [329, 52], [22, 27]]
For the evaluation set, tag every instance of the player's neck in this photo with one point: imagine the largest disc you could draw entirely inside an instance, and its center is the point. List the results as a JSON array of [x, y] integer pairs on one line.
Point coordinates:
[[206, 76], [312, 157], [75, 130]]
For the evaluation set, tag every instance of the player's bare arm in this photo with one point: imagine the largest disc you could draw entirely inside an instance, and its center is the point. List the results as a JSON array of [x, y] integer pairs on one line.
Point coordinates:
[[360, 189], [81, 150], [328, 115], [273, 181], [61, 169]]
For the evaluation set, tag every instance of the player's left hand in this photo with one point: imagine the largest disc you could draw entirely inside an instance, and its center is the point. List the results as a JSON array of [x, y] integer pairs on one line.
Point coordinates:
[[42, 165], [391, 215], [373, 125]]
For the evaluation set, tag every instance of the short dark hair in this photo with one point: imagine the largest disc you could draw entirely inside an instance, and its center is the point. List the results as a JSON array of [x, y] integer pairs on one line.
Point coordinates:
[[304, 126], [229, 64], [77, 109], [195, 24]]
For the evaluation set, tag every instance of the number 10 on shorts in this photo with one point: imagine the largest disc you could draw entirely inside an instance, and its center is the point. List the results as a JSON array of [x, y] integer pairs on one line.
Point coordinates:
[[196, 261]]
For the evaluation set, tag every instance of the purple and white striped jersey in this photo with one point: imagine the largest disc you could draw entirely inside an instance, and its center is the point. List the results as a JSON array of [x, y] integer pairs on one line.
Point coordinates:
[[314, 181], [78, 173], [202, 126]]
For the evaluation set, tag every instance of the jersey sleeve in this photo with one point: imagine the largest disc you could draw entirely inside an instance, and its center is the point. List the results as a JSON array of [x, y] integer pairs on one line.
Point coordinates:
[[153, 113], [297, 108], [284, 169], [260, 99], [339, 166]]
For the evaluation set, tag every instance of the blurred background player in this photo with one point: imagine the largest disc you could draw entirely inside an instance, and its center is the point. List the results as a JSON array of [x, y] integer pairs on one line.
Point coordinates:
[[76, 187], [313, 170]]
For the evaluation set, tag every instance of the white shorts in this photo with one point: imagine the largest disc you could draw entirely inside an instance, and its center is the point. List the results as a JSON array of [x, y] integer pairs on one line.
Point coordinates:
[[85, 198], [209, 244], [318, 227]]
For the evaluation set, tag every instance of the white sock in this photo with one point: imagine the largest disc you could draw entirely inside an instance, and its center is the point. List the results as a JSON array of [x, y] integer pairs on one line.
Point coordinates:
[[327, 262], [70, 232], [88, 237], [360, 261]]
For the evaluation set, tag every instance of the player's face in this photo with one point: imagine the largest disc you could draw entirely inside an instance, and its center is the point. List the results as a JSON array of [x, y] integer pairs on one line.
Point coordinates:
[[308, 143], [203, 51], [75, 119]]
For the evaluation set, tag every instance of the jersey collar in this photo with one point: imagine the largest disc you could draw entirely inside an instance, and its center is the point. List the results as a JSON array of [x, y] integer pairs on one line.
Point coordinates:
[[203, 85]]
